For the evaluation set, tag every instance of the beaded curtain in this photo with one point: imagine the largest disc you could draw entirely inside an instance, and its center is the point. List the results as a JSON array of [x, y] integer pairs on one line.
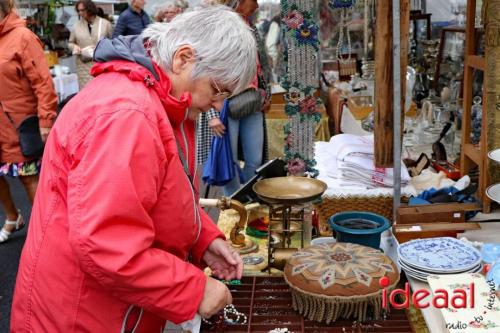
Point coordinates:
[[300, 32]]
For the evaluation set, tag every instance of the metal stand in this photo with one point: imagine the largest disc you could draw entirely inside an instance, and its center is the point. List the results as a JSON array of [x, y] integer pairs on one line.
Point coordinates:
[[284, 215]]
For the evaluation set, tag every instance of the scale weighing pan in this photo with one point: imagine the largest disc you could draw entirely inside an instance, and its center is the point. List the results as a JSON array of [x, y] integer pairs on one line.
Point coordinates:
[[289, 190]]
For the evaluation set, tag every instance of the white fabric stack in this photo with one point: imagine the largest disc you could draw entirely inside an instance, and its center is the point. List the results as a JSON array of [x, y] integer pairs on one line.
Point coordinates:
[[353, 163], [347, 161]]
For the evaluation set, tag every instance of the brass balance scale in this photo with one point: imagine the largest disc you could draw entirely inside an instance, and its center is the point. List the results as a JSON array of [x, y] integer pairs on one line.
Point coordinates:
[[286, 198]]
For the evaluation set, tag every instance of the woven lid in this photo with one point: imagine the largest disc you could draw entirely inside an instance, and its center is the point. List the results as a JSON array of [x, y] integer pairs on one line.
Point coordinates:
[[339, 269]]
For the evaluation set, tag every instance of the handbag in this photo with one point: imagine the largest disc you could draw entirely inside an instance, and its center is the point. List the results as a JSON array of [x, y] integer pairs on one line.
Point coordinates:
[[245, 103], [30, 139]]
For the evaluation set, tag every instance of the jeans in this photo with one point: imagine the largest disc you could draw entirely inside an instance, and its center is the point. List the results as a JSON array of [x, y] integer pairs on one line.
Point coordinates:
[[250, 131]]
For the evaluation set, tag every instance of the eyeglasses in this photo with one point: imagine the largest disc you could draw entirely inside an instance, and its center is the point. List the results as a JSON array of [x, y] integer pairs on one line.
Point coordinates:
[[220, 94], [81, 10]]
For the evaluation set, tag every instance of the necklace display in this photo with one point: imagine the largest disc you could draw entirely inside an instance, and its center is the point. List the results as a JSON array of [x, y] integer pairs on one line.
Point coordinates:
[[347, 65], [231, 316], [300, 32]]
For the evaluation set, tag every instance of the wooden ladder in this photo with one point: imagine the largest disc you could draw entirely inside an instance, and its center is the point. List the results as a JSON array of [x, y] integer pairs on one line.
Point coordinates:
[[474, 154]]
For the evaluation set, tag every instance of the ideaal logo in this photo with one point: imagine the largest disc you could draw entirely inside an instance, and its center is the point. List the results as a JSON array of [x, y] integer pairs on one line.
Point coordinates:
[[460, 298]]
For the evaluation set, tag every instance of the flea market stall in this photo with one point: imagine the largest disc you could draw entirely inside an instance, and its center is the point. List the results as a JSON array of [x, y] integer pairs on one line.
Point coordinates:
[[387, 115]]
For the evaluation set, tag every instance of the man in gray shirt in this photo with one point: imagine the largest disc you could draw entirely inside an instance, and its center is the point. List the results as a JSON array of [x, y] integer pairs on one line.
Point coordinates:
[[133, 20]]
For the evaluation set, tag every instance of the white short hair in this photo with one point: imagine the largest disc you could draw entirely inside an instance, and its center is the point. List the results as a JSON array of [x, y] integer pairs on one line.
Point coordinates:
[[163, 6], [224, 44]]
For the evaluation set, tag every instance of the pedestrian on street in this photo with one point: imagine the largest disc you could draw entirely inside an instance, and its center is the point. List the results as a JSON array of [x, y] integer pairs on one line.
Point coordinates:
[[133, 20], [117, 238], [26, 90], [86, 33]]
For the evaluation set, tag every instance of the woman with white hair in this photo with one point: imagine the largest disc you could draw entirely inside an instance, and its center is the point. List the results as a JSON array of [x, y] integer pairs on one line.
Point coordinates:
[[116, 232]]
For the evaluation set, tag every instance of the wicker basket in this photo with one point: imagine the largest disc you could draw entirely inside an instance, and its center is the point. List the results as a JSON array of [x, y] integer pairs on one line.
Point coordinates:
[[329, 206], [360, 106]]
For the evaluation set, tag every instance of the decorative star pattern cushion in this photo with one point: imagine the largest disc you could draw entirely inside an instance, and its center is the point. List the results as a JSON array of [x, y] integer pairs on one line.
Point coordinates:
[[339, 269]]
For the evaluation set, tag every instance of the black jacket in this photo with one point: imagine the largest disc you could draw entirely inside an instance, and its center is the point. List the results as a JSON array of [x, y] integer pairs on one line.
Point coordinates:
[[131, 23]]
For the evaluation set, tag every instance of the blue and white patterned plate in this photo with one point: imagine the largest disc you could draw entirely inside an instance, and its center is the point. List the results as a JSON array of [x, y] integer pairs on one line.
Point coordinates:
[[439, 255], [413, 272]]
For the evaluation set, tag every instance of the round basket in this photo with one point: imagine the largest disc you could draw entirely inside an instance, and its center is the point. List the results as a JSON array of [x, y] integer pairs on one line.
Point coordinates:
[[340, 280]]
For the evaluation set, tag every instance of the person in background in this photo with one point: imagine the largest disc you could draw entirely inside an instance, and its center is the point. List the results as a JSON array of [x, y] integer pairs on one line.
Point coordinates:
[[87, 32], [250, 130], [273, 39], [168, 10], [26, 90], [209, 125], [100, 13], [116, 232], [133, 20]]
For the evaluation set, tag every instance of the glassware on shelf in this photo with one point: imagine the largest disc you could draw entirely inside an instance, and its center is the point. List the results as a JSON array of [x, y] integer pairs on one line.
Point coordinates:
[[477, 116], [454, 10], [410, 85], [455, 90], [421, 89]]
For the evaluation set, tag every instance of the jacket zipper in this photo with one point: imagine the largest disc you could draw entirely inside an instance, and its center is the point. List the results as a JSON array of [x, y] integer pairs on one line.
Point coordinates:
[[195, 205]]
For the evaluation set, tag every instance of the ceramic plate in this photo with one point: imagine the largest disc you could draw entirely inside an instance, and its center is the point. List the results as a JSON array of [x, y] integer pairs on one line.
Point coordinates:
[[493, 192], [417, 277], [439, 255], [424, 278], [494, 155], [423, 275], [424, 272]]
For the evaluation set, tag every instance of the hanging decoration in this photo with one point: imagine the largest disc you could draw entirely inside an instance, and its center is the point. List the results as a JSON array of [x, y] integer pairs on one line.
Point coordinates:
[[347, 65], [300, 31]]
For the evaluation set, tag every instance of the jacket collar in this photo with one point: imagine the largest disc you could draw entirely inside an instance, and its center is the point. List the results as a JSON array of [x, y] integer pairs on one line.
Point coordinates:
[[175, 108]]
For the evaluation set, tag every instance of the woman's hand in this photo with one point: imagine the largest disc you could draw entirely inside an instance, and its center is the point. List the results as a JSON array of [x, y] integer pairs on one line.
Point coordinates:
[[77, 49], [224, 261], [44, 132], [217, 126], [215, 297]]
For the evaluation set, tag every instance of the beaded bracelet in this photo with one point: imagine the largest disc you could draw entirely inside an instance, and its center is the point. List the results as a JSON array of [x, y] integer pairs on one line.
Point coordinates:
[[237, 318]]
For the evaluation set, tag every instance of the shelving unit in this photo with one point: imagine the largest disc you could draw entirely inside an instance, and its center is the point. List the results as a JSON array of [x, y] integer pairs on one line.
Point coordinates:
[[444, 32], [474, 154]]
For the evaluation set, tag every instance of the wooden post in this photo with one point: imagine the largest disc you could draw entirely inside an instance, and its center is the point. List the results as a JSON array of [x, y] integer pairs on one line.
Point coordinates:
[[405, 34], [383, 78], [492, 82]]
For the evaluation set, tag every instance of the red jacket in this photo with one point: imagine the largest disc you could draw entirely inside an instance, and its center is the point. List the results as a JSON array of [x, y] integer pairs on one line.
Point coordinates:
[[26, 86], [115, 216]]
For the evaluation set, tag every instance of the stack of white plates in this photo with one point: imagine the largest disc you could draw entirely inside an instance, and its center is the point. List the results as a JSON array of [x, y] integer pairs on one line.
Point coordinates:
[[420, 258]]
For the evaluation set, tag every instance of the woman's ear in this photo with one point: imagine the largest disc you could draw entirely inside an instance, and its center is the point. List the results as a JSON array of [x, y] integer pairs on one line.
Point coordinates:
[[184, 57]]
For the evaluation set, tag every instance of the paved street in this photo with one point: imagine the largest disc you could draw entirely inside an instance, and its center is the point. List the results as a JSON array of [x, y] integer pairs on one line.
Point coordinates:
[[10, 252]]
